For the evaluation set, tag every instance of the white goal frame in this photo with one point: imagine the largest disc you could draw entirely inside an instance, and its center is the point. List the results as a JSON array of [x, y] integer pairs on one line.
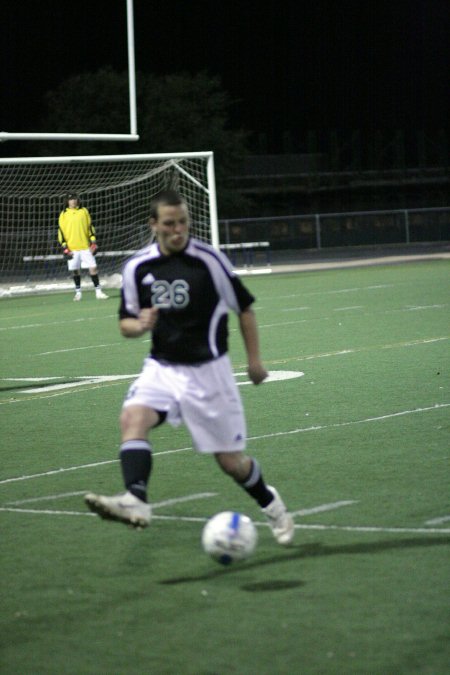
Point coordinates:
[[116, 189], [132, 136]]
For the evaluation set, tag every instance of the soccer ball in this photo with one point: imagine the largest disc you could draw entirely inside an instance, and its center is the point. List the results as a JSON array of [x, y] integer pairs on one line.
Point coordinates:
[[229, 536]]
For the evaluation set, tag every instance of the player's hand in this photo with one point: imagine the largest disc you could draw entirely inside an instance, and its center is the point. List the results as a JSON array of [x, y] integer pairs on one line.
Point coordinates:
[[93, 248], [148, 317], [257, 373], [67, 253]]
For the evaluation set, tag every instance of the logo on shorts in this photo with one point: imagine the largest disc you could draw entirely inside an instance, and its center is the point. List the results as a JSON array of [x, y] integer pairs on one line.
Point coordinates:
[[131, 392], [238, 437]]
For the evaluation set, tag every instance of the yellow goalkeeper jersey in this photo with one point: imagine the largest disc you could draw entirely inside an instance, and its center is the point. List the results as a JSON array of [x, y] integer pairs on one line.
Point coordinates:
[[75, 229]]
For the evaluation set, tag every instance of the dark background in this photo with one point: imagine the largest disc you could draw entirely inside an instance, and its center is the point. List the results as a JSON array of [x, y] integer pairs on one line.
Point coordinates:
[[289, 67]]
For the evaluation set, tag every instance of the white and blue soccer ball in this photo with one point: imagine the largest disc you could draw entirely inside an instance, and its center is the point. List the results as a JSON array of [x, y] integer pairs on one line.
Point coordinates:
[[229, 536]]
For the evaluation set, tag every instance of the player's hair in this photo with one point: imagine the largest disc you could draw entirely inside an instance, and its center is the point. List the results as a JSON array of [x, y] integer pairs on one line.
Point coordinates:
[[72, 195], [166, 198]]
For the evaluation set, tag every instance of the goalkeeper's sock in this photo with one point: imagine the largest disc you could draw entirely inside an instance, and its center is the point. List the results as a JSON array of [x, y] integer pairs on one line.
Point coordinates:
[[77, 282], [136, 462], [95, 280], [255, 486]]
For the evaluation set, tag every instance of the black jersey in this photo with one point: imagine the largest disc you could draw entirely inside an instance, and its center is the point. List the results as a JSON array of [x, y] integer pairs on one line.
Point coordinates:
[[194, 290]]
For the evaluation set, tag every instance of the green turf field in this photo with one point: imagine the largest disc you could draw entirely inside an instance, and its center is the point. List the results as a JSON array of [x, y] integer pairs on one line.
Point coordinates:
[[355, 436]]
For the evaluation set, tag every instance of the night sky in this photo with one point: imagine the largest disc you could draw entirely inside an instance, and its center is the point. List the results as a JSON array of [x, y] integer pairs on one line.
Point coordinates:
[[318, 65]]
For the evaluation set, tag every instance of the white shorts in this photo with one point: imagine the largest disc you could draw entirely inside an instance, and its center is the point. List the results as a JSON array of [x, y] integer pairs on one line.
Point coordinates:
[[204, 397], [81, 259]]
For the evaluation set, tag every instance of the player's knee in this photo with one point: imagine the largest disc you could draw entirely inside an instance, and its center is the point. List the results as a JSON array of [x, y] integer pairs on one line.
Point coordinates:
[[130, 417], [235, 464], [137, 421]]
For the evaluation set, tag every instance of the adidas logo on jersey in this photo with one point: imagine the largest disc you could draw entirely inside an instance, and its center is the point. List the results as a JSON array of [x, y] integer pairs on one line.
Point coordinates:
[[148, 280]]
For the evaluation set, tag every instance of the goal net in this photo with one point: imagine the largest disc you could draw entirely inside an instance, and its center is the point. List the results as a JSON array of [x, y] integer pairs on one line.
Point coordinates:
[[116, 189]]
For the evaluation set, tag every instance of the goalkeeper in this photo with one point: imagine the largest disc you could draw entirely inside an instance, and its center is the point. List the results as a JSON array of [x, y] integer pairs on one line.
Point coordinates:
[[76, 234]]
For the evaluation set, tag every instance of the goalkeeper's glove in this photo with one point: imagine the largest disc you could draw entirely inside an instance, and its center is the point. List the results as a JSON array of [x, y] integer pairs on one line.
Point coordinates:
[[93, 247], [67, 253]]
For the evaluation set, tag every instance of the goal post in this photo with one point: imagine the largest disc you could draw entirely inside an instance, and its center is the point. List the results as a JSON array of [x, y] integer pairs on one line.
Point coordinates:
[[132, 136], [116, 189]]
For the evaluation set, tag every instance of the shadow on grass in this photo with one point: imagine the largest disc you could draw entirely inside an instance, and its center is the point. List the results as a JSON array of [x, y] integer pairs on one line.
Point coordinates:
[[310, 551]]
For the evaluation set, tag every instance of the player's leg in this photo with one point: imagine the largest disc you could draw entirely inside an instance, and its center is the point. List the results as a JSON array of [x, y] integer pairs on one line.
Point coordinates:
[[135, 450], [213, 412], [74, 266], [139, 414], [136, 464], [93, 273], [89, 262], [96, 281], [77, 282], [247, 473]]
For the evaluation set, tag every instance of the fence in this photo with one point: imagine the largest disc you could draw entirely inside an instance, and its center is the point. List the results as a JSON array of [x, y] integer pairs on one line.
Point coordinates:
[[251, 240], [326, 230]]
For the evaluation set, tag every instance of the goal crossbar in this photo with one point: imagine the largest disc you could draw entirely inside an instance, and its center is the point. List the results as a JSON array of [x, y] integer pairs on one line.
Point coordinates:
[[132, 136]]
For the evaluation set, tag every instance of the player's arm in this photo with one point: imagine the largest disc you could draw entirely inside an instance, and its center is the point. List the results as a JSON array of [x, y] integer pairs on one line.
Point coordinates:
[[249, 332], [62, 240], [91, 234], [136, 326], [61, 237]]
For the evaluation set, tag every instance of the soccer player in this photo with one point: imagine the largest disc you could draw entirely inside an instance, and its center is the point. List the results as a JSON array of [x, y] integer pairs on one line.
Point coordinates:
[[76, 234], [181, 290]]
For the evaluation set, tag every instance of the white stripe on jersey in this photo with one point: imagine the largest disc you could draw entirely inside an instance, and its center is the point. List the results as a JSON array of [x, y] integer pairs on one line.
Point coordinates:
[[220, 269], [128, 277], [219, 312]]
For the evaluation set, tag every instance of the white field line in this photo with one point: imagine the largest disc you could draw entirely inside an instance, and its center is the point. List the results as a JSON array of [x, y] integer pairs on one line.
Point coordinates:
[[346, 528], [294, 309], [335, 425], [45, 512], [357, 350], [324, 318], [370, 528], [180, 500], [38, 397], [298, 526], [292, 295], [333, 292], [276, 298], [82, 380], [58, 471], [56, 323], [77, 349], [155, 505], [31, 379], [46, 498], [323, 507], [94, 383], [341, 309], [329, 318], [438, 521], [346, 424], [415, 308], [93, 465]]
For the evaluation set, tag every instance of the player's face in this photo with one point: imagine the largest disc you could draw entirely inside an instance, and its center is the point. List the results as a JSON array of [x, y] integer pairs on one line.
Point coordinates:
[[73, 203], [171, 228]]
